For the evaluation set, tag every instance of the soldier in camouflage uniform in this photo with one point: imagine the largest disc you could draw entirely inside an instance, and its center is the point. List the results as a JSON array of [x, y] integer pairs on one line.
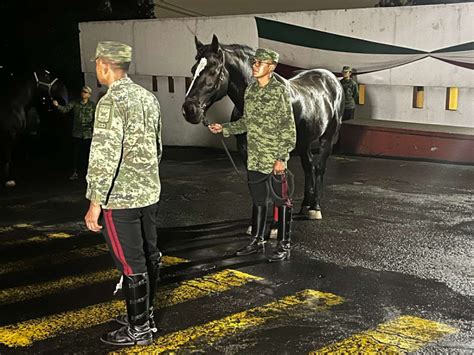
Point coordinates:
[[83, 120], [271, 136], [351, 93], [124, 183]]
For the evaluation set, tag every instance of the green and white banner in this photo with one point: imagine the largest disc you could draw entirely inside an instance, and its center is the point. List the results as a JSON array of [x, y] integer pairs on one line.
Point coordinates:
[[303, 47]]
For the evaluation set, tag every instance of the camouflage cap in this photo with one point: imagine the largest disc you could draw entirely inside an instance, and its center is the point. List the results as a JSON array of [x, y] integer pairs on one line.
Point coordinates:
[[87, 89], [266, 54], [114, 51], [346, 68]]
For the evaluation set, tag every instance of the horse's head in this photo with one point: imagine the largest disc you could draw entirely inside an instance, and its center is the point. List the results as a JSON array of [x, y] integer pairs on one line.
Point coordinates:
[[210, 80], [50, 87]]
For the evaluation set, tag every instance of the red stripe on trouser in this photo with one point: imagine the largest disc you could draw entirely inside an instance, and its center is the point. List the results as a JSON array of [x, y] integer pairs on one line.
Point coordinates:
[[275, 213], [118, 251], [284, 190]]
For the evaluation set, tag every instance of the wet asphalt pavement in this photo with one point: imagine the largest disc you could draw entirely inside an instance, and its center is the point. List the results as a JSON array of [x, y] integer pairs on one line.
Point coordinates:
[[396, 240]]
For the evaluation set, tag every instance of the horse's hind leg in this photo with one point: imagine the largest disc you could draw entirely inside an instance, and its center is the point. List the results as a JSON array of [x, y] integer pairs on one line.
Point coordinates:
[[319, 168], [319, 163], [306, 157]]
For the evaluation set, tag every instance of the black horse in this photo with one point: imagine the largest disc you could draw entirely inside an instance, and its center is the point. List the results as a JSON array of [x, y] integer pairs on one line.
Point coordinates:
[[317, 99], [20, 95]]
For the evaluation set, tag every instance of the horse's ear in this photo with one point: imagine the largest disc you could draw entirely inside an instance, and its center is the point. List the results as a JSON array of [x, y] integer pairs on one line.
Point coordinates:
[[215, 44], [198, 43]]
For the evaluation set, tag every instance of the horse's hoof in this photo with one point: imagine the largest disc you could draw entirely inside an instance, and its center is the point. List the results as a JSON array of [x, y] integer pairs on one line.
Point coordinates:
[[10, 183], [314, 214]]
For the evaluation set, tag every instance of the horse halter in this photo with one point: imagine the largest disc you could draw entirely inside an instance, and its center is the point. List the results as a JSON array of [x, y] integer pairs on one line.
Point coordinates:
[[198, 104], [42, 83], [221, 74]]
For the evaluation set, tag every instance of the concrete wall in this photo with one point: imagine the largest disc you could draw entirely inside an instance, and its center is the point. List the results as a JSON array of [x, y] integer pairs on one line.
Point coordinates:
[[166, 48], [176, 131]]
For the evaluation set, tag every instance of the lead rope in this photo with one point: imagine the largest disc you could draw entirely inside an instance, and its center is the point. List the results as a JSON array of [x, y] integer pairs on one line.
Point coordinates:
[[287, 188]]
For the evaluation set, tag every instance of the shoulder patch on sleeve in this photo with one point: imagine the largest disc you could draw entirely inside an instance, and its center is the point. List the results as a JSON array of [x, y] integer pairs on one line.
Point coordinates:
[[104, 114]]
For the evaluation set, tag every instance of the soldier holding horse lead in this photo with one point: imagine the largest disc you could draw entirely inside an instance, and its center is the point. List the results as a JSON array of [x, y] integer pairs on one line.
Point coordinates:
[[316, 96], [271, 135], [83, 110]]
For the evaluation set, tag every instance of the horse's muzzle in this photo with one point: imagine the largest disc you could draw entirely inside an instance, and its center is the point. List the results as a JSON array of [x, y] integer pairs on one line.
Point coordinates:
[[192, 112]]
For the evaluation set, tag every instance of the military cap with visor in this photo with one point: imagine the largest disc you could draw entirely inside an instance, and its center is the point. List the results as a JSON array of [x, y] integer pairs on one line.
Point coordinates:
[[266, 54], [87, 89], [346, 68], [114, 51]]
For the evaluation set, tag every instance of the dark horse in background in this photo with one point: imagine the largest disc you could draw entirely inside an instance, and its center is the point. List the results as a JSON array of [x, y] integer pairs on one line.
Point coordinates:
[[19, 95], [316, 95]]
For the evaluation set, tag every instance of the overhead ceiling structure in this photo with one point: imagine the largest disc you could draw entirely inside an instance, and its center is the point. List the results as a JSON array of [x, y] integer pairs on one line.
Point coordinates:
[[196, 8]]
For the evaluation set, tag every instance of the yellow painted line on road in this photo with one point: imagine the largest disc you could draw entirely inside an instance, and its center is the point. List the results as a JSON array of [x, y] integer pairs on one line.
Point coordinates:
[[53, 259], [22, 225], [404, 334], [30, 240], [59, 235], [25, 333], [36, 239], [192, 338], [17, 294], [15, 226]]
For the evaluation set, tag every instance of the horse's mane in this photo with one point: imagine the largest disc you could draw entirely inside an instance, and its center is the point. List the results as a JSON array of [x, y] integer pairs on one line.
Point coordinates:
[[241, 58], [242, 52]]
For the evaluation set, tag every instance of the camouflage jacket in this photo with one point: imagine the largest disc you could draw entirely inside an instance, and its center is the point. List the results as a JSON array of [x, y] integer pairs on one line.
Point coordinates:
[[126, 148], [83, 117], [269, 123], [351, 93]]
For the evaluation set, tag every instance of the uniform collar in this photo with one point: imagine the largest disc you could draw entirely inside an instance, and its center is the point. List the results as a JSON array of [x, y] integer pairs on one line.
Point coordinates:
[[271, 83], [120, 82]]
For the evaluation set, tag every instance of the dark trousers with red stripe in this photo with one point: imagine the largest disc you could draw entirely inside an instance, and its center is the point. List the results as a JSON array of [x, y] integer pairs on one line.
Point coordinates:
[[132, 238], [260, 189]]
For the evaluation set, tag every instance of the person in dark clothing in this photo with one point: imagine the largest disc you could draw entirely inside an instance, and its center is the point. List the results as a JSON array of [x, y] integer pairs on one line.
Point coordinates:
[[351, 93], [83, 121]]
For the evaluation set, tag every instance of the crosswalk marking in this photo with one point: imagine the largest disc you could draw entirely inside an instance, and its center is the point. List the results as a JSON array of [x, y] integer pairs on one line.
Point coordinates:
[[399, 336], [25, 333], [290, 306], [53, 259], [22, 293], [39, 238], [59, 235], [30, 240], [15, 226]]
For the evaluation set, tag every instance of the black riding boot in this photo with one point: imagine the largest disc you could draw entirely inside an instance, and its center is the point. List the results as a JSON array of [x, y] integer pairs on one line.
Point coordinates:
[[154, 277], [282, 251], [258, 233], [138, 331]]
